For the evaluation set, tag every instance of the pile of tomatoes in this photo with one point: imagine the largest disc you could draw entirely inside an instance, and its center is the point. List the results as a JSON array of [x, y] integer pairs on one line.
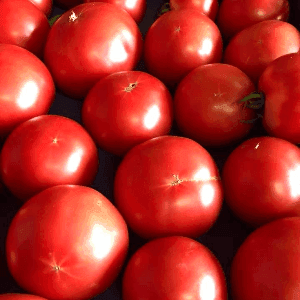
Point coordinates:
[[149, 150]]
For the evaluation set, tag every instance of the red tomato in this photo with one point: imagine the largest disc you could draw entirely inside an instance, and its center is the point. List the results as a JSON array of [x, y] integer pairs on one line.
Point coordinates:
[[280, 85], [266, 266], [136, 8], [261, 179], [235, 16], [168, 186], [127, 108], [67, 242], [207, 7], [44, 5], [26, 87], [207, 104], [16, 296], [174, 268], [24, 25], [89, 42], [45, 151], [253, 48], [179, 41], [67, 4]]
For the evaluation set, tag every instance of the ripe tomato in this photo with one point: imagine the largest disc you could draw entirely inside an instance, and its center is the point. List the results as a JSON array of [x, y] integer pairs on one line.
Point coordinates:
[[136, 8], [266, 265], [45, 151], [67, 242], [127, 108], [253, 48], [179, 41], [89, 42], [168, 186], [16, 296], [44, 5], [26, 87], [235, 16], [280, 85], [207, 104], [174, 268], [261, 179], [24, 25]]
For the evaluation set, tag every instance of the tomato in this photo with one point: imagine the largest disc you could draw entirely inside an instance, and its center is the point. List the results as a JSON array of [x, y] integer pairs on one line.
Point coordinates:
[[253, 48], [89, 42], [207, 7], [266, 265], [235, 16], [44, 5], [136, 8], [208, 105], [174, 268], [24, 25], [261, 180], [127, 108], [179, 41], [26, 87], [280, 85], [67, 4], [166, 186], [45, 151], [15, 296], [67, 242]]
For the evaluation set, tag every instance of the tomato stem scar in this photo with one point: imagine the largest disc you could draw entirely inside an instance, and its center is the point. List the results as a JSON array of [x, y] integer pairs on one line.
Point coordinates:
[[130, 87], [56, 268], [73, 16]]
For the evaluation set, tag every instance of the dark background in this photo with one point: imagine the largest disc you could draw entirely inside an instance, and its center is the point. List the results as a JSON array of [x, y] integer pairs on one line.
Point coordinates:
[[223, 239]]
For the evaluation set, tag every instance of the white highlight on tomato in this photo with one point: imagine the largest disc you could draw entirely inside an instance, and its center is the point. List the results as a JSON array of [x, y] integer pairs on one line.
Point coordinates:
[[207, 288], [294, 182], [131, 3], [74, 160], [152, 117], [117, 52], [206, 47], [202, 175], [207, 194], [28, 95]]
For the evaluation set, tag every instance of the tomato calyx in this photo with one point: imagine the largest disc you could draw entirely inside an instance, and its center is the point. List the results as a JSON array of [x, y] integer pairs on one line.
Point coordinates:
[[249, 102], [53, 20], [164, 8]]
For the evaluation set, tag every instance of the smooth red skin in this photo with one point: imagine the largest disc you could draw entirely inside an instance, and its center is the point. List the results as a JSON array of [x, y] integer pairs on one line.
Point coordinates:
[[280, 85], [46, 151], [266, 266], [155, 204], [172, 49], [67, 4], [207, 7], [234, 16], [74, 228], [136, 8], [174, 268], [24, 25], [15, 296], [44, 5], [253, 48], [207, 107], [78, 53], [119, 120], [26, 88], [261, 180]]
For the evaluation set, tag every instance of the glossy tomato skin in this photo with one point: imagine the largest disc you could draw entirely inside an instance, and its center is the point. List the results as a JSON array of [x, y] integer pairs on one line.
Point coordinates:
[[166, 186], [127, 108], [266, 265], [24, 25], [280, 85], [74, 247], [261, 180], [45, 151], [179, 41], [44, 5], [207, 7], [174, 268], [136, 8], [26, 87], [207, 105], [253, 48], [15, 296], [89, 42], [234, 16]]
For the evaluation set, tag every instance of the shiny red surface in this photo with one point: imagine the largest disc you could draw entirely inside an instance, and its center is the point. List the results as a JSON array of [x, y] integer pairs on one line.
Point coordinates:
[[15, 296], [24, 25], [26, 87], [208, 108], [89, 42], [45, 151], [168, 186], [253, 48], [179, 41], [280, 85], [266, 266], [174, 268], [127, 108], [261, 179], [44, 5], [67, 242]]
